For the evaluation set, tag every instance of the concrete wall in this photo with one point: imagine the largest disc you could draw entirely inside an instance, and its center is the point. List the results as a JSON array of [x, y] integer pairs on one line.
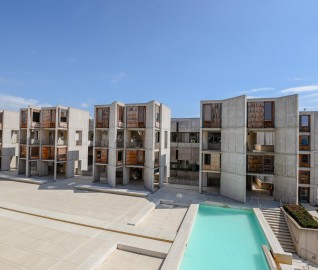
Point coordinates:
[[9, 150], [305, 240], [77, 154], [164, 170], [286, 149], [233, 147]]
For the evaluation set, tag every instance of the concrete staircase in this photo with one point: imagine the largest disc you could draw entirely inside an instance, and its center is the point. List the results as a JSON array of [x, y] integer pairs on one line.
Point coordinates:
[[276, 221]]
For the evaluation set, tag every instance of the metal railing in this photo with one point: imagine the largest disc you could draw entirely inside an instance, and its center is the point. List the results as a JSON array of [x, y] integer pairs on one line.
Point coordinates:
[[134, 144]]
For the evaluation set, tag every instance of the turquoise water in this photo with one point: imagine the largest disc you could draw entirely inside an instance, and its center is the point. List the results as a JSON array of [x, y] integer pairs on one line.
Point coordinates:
[[225, 239]]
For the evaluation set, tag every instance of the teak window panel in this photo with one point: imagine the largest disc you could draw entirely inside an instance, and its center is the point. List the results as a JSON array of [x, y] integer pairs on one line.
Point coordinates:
[[135, 157], [260, 164], [120, 115], [304, 160], [261, 114], [304, 177], [212, 115], [49, 118], [24, 119], [102, 117], [136, 116], [101, 156], [304, 142]]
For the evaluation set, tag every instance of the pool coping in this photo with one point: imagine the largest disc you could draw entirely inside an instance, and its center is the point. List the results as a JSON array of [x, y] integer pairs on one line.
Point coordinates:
[[175, 255]]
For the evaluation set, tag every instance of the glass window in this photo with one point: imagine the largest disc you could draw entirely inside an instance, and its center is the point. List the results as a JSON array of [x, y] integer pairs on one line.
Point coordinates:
[[304, 120], [268, 111], [305, 140], [207, 159]]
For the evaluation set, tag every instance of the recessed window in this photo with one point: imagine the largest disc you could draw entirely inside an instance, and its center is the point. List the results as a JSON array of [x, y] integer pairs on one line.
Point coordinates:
[[207, 159], [304, 120], [268, 111]]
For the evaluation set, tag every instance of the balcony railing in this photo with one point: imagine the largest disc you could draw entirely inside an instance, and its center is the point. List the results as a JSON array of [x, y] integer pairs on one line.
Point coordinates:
[[23, 141], [34, 142], [61, 157], [101, 144], [263, 148], [213, 146], [119, 144], [134, 144]]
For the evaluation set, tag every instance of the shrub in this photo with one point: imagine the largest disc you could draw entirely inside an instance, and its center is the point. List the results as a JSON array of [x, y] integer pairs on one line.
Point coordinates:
[[301, 216]]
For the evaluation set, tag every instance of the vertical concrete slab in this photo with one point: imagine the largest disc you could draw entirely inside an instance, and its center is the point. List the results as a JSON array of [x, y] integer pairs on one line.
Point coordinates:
[[286, 149], [233, 147]]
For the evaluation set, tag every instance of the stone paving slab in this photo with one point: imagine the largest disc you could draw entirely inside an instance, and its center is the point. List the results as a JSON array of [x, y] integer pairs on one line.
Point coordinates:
[[6, 177]]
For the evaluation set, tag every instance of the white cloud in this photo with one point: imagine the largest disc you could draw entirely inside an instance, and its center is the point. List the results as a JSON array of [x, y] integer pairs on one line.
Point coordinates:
[[255, 90], [299, 79], [84, 105], [118, 77], [300, 89], [8, 102]]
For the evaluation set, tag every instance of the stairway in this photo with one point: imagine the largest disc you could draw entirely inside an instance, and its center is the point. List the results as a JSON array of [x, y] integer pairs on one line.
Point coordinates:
[[276, 221]]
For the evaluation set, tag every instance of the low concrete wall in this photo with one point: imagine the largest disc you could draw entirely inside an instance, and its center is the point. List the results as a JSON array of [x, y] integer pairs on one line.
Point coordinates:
[[183, 181], [305, 240]]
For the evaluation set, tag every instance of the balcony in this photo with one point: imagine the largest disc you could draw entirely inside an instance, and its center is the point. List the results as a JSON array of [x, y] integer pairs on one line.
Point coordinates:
[[134, 145], [101, 143], [119, 144], [23, 141], [213, 146], [304, 160], [34, 141], [102, 117], [34, 152], [48, 142], [263, 148], [260, 164]]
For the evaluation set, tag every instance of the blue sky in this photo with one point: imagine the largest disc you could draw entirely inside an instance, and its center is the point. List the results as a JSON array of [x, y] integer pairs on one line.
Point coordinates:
[[84, 52]]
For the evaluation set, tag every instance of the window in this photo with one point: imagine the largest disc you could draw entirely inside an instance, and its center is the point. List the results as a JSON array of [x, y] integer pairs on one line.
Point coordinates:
[[157, 114], [177, 154], [173, 136], [36, 117], [305, 140], [14, 136], [166, 139], [304, 120], [268, 111], [214, 138], [194, 137], [78, 137], [120, 156], [157, 137], [207, 159], [304, 177]]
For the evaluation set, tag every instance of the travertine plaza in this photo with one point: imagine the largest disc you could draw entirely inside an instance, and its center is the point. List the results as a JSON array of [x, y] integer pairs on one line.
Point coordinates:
[[121, 189]]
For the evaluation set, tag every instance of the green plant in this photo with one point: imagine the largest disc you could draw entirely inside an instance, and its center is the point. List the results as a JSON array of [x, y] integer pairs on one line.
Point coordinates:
[[301, 216]]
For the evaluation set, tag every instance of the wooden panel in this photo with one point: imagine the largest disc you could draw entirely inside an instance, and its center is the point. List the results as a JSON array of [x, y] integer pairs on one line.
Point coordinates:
[[212, 115], [102, 117], [132, 117], [24, 119], [102, 156], [23, 151], [48, 153], [255, 114], [48, 118], [304, 177]]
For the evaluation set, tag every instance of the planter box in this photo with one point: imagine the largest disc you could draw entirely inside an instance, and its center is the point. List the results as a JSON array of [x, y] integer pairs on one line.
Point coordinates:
[[305, 240]]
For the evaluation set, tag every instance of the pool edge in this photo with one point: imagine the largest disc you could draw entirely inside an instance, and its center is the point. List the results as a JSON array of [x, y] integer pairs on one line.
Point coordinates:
[[175, 255]]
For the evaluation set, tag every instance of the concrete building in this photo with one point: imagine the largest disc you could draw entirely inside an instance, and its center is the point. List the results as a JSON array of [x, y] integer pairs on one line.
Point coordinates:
[[132, 142], [53, 141], [308, 157], [185, 151], [9, 141], [248, 144]]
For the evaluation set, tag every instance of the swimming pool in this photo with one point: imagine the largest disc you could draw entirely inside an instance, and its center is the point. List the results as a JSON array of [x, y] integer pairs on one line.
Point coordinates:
[[225, 238]]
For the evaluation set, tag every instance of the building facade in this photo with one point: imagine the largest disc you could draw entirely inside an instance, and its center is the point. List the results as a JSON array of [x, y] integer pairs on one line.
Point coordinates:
[[246, 143], [53, 141], [308, 157], [9, 140], [132, 143], [185, 151]]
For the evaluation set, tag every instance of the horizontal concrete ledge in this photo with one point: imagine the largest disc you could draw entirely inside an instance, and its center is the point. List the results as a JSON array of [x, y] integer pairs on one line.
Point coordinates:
[[22, 180], [143, 213], [176, 252], [279, 254], [286, 267], [147, 233], [270, 260], [126, 192], [142, 251]]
